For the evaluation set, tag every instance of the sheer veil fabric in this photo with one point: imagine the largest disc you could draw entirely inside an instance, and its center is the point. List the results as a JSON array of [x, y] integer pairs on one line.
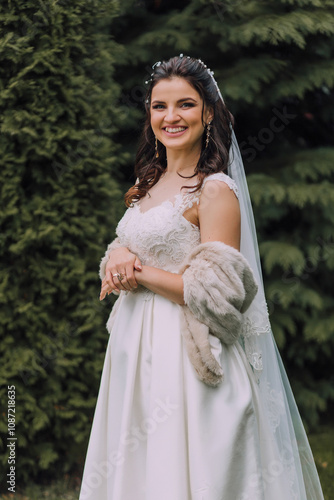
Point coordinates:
[[275, 395]]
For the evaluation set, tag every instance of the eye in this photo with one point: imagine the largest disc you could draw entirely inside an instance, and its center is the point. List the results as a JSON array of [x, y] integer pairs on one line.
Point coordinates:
[[158, 106], [188, 104]]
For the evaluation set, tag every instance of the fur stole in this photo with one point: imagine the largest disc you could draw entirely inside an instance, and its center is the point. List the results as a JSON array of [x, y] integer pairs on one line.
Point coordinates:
[[219, 287]]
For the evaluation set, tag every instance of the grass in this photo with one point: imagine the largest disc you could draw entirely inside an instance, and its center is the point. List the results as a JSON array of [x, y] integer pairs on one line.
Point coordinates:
[[322, 445], [68, 487]]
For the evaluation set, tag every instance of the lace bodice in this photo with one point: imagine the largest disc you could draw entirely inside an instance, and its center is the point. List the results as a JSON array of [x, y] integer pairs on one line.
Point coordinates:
[[161, 236]]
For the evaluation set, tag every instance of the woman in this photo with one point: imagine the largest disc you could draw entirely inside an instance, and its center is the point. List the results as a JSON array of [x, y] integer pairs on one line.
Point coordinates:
[[194, 403]]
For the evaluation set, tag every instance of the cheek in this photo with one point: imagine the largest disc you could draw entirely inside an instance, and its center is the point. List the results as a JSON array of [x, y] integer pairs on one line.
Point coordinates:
[[198, 127], [196, 121], [154, 120]]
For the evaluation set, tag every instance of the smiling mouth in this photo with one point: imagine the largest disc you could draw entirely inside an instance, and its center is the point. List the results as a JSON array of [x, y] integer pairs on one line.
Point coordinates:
[[174, 130]]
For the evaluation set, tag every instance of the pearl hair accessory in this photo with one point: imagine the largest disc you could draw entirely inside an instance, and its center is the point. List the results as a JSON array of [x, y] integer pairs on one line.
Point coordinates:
[[211, 73], [154, 65]]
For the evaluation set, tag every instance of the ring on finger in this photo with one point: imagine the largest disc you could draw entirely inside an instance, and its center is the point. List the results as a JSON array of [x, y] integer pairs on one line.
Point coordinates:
[[120, 276]]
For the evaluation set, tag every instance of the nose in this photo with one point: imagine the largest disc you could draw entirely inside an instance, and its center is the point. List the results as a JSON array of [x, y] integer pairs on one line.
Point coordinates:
[[171, 115]]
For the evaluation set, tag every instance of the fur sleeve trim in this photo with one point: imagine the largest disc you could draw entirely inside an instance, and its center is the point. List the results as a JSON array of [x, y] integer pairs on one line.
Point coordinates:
[[219, 287], [114, 244]]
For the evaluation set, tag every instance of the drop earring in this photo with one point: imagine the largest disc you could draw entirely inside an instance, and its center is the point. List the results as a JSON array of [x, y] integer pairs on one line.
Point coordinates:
[[208, 134], [156, 148]]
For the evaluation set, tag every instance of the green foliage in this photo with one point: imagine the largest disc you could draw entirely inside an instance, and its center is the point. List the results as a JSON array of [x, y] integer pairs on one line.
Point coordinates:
[[60, 201]]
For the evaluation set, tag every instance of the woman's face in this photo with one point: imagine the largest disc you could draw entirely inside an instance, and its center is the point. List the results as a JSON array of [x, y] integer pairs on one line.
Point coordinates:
[[176, 114]]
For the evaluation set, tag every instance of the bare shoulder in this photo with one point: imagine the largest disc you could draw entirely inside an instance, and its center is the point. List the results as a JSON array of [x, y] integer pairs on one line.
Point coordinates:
[[219, 213], [219, 192]]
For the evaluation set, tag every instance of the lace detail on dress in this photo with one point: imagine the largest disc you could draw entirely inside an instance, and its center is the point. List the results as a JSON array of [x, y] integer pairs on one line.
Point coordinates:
[[143, 291], [253, 355], [186, 200], [256, 322], [275, 406], [220, 176], [161, 236]]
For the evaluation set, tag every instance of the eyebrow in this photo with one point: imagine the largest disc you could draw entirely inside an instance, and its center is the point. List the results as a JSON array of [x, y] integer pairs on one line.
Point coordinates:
[[180, 100]]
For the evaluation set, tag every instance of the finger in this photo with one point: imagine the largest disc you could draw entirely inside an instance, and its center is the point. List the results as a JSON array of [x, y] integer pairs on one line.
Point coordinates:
[[131, 277], [112, 279], [137, 264], [108, 276], [124, 283], [121, 285], [104, 292], [105, 288], [108, 292]]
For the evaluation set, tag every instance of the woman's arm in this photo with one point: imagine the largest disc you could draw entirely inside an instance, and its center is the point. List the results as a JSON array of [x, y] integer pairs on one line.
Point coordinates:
[[219, 218], [219, 214], [169, 285]]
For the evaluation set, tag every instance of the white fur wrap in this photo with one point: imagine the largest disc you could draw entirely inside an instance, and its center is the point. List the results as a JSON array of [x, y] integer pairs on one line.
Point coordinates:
[[219, 287]]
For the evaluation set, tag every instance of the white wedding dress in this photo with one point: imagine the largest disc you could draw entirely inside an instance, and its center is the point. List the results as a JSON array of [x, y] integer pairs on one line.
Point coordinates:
[[159, 433]]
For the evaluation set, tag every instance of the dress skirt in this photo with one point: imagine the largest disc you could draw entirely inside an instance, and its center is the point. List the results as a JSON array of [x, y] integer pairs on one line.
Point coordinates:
[[159, 433]]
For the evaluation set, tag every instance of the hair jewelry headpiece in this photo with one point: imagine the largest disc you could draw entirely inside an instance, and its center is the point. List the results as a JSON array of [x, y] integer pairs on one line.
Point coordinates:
[[211, 73]]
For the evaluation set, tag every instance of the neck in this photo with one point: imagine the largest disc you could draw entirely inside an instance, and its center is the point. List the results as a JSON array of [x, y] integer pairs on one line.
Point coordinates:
[[180, 161]]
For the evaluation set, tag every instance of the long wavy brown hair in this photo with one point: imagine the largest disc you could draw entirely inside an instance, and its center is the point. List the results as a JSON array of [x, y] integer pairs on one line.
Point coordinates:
[[213, 158]]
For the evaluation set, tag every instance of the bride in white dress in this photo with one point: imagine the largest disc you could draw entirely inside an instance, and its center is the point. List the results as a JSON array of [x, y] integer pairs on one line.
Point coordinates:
[[161, 430]]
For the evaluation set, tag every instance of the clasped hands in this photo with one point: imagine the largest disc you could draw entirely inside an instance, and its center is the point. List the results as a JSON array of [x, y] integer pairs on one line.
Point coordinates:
[[121, 262]]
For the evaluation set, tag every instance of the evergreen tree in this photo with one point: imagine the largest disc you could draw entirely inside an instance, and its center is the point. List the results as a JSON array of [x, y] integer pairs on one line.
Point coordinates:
[[60, 201], [273, 61]]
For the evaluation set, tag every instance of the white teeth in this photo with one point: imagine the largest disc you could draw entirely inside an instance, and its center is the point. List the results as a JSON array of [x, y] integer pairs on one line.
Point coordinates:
[[174, 130]]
